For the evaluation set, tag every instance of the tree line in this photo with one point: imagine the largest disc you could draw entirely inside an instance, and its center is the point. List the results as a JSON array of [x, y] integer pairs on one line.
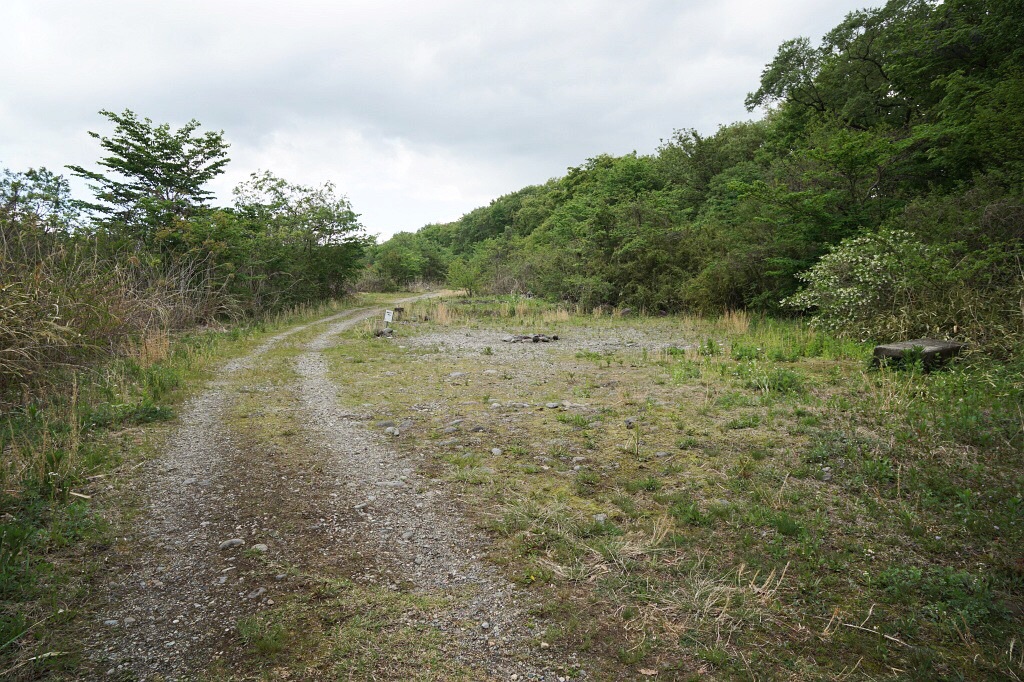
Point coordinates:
[[80, 279], [880, 192]]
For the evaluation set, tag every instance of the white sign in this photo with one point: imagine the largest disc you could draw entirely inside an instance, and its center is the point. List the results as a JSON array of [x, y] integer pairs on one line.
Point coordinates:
[[388, 316]]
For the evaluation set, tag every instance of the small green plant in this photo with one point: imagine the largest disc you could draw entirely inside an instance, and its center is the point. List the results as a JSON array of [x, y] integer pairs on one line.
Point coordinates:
[[464, 460], [631, 656], [533, 573], [716, 656], [590, 355], [626, 503], [577, 421], [586, 480], [784, 354], [598, 529], [943, 594], [878, 470], [747, 421], [687, 512], [684, 371], [745, 351], [831, 446], [709, 348], [757, 454], [265, 638], [787, 525], [775, 379], [648, 483]]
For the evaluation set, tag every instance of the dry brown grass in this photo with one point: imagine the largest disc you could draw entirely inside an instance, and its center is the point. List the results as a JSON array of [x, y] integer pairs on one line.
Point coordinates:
[[557, 315], [153, 347], [735, 321], [443, 315], [62, 306]]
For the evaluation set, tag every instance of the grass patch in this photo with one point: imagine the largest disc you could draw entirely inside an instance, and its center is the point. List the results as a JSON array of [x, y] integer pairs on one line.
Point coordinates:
[[747, 519], [346, 631]]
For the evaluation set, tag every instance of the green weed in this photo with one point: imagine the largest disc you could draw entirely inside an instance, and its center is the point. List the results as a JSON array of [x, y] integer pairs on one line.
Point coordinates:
[[747, 421], [648, 483]]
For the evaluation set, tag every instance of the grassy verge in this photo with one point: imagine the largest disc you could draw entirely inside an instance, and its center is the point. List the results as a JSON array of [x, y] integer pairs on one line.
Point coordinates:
[[63, 454], [740, 498], [337, 629]]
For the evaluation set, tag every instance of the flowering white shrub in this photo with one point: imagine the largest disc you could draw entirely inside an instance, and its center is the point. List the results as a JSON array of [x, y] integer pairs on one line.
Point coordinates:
[[892, 284], [869, 286]]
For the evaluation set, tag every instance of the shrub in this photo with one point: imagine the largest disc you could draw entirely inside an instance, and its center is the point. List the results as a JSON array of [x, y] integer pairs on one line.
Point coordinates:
[[949, 267], [866, 285]]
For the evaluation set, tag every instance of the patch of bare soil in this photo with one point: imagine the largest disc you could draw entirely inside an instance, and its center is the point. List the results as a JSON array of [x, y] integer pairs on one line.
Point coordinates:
[[578, 339], [235, 522]]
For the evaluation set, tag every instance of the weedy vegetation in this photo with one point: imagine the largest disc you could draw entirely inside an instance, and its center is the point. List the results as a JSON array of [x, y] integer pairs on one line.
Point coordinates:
[[738, 497], [66, 448]]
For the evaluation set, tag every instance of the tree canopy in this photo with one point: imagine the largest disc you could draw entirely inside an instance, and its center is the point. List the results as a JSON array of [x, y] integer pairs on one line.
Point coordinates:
[[153, 213], [897, 119], [155, 175]]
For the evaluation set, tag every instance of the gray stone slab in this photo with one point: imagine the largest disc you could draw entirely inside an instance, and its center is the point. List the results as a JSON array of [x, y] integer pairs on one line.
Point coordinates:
[[934, 352]]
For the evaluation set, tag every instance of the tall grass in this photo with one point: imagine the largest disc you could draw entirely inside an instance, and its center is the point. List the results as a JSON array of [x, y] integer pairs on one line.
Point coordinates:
[[55, 451], [89, 346], [63, 306]]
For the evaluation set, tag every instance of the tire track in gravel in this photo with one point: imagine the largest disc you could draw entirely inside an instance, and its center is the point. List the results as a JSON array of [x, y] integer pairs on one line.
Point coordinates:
[[418, 537], [332, 500], [170, 599]]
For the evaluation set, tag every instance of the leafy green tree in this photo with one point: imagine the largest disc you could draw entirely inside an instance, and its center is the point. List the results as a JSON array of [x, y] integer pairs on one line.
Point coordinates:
[[37, 199], [464, 275], [861, 72], [900, 110], [308, 240], [406, 258], [689, 161], [312, 216], [397, 264], [153, 175]]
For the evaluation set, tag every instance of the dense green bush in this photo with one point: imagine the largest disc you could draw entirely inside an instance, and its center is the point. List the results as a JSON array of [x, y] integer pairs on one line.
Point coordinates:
[[959, 276]]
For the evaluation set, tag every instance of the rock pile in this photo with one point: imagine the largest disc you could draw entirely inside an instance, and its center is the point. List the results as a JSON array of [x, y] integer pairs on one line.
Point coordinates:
[[528, 338]]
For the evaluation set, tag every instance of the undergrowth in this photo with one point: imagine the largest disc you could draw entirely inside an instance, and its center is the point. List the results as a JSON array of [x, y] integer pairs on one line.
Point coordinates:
[[61, 445]]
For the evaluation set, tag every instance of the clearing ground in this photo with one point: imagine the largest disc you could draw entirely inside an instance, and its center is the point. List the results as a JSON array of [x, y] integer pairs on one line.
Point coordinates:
[[642, 498]]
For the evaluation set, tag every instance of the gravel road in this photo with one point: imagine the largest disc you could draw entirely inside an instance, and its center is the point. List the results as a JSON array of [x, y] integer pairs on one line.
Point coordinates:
[[223, 513]]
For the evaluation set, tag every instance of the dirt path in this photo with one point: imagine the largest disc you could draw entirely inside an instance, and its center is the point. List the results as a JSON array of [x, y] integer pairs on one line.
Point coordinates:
[[240, 519]]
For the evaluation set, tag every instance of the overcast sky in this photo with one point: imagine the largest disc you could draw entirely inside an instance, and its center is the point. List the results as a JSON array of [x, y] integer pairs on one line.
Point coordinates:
[[417, 111]]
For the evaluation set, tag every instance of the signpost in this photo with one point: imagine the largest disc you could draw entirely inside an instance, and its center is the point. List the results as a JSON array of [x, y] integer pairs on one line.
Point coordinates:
[[389, 315]]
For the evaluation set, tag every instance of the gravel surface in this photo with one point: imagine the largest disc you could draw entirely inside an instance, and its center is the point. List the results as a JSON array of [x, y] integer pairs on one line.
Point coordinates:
[[217, 518], [174, 588], [579, 339], [412, 528]]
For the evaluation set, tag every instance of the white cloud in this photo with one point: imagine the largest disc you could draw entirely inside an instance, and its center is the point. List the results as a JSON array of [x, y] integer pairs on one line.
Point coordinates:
[[386, 173], [418, 111]]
